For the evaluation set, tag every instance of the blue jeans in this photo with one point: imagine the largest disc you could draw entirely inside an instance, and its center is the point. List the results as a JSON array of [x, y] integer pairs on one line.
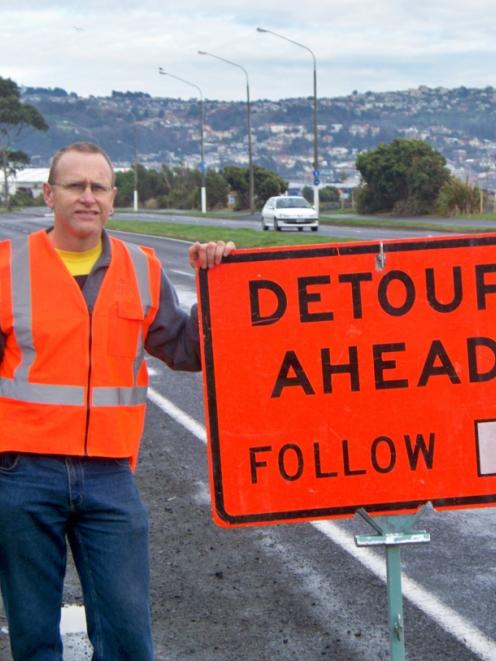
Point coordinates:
[[94, 505]]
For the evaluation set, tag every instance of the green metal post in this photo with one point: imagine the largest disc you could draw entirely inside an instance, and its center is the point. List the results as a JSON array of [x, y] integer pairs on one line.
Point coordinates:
[[392, 532], [395, 604]]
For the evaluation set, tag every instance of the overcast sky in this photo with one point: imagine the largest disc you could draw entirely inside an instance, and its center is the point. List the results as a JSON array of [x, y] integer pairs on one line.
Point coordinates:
[[91, 47]]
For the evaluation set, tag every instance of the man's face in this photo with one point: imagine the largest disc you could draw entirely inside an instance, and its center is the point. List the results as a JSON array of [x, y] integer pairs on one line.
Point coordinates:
[[82, 199]]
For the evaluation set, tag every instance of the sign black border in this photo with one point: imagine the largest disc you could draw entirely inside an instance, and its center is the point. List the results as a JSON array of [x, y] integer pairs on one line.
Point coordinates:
[[387, 246]]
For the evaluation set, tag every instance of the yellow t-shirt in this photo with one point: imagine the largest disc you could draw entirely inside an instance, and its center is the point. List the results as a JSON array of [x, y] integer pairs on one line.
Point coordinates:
[[80, 263]]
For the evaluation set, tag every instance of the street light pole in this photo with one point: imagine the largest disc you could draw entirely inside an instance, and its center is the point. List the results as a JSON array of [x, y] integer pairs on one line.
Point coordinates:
[[135, 155], [203, 169], [134, 160], [135, 195], [251, 183], [316, 173]]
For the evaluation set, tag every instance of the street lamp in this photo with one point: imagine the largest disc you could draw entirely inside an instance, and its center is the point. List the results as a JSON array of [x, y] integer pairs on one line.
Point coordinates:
[[203, 189], [316, 173], [135, 194], [135, 164], [135, 154], [248, 113]]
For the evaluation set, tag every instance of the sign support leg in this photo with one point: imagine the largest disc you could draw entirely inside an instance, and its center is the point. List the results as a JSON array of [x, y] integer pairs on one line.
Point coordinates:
[[395, 604], [392, 532]]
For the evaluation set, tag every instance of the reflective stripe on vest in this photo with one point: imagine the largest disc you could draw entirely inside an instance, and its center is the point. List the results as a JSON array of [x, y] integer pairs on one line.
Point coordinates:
[[140, 262], [118, 396], [19, 387], [41, 393]]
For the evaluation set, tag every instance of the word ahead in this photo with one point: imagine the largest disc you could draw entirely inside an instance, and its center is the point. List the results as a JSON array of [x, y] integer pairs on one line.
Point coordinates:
[[351, 376]]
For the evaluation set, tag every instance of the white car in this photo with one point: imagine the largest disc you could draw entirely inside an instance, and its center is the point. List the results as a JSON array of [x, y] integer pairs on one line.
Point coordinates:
[[289, 211]]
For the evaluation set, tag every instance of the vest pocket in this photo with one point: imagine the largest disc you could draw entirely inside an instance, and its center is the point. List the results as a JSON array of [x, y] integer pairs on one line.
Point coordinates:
[[125, 329]]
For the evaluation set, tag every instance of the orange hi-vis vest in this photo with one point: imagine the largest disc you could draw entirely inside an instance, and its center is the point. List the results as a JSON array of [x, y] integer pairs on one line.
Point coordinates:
[[73, 382]]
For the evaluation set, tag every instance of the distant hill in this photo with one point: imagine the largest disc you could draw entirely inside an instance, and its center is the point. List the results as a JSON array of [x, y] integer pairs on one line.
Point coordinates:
[[460, 122]]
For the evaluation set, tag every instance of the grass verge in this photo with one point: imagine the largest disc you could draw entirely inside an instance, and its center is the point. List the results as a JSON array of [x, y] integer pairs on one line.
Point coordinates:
[[398, 223], [341, 217], [243, 238], [210, 215]]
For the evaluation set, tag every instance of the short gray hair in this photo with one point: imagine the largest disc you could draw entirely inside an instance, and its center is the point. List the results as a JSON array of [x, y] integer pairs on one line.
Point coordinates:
[[82, 148]]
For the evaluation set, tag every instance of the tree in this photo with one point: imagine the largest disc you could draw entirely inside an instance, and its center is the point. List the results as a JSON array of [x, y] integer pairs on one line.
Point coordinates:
[[217, 190], [404, 176], [177, 188], [13, 160], [267, 184], [184, 189], [307, 193], [457, 197], [151, 183], [125, 188], [237, 179], [25, 198], [327, 194], [15, 118]]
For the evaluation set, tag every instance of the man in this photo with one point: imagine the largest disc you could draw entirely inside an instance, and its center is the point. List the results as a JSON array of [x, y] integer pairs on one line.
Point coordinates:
[[77, 310]]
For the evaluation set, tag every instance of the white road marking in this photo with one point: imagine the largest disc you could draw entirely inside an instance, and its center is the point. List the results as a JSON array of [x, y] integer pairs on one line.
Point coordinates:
[[178, 414], [187, 298], [153, 236], [447, 618], [73, 620], [188, 274]]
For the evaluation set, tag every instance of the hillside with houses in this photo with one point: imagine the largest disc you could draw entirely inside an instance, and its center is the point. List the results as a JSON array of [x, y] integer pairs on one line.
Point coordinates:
[[460, 123]]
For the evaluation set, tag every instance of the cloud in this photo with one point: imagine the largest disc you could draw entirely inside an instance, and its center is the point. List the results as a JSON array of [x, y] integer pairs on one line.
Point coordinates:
[[359, 45]]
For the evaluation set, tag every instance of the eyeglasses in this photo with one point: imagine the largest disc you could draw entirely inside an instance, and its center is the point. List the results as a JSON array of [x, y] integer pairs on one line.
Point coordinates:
[[79, 187]]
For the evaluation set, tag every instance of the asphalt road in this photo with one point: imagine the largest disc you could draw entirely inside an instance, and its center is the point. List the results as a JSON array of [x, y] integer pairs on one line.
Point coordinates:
[[298, 591]]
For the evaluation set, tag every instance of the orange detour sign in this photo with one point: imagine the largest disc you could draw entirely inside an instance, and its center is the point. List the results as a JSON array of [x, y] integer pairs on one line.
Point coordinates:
[[350, 376]]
